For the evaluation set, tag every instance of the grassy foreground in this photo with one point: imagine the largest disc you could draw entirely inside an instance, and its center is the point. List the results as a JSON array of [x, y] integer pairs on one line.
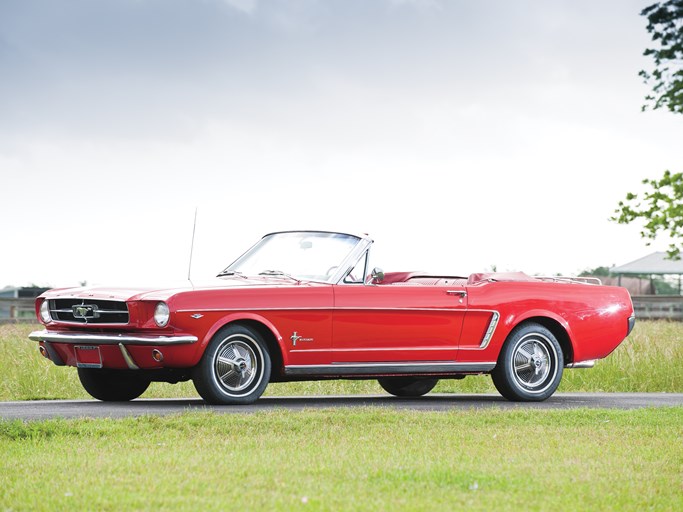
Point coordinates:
[[365, 459], [352, 459], [651, 359]]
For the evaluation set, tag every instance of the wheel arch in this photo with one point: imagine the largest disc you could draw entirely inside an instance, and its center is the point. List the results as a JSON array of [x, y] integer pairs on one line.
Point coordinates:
[[265, 329], [274, 348], [558, 329]]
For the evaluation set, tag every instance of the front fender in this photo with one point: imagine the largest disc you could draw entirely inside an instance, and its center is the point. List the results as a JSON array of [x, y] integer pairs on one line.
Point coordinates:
[[240, 316]]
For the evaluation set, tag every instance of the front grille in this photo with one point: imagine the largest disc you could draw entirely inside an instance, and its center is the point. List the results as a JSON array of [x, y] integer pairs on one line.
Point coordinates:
[[89, 311]]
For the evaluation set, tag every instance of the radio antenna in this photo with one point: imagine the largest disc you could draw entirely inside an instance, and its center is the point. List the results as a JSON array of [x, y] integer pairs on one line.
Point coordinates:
[[189, 270]]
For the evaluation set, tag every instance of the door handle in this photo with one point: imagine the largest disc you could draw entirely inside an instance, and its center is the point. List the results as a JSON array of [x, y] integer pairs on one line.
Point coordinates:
[[458, 293]]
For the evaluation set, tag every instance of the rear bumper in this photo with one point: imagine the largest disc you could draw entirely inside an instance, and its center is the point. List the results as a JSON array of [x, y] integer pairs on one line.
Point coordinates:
[[110, 339], [583, 364], [631, 323]]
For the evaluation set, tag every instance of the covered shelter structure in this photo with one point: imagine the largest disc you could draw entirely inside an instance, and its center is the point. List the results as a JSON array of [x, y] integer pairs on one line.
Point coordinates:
[[655, 264]]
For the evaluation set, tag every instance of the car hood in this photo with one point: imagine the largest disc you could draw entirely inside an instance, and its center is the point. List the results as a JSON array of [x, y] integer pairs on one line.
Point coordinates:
[[152, 293]]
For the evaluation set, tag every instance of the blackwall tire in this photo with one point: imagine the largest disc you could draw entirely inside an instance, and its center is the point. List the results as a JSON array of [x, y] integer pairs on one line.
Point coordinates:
[[112, 385], [529, 368], [235, 368], [407, 386]]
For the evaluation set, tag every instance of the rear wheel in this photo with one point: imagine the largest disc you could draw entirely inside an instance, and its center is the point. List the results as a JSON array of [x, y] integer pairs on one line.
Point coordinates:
[[112, 385], [529, 367], [407, 386], [234, 369]]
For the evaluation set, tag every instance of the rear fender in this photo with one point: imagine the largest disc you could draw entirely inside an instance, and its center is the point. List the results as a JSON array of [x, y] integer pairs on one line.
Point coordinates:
[[542, 316]]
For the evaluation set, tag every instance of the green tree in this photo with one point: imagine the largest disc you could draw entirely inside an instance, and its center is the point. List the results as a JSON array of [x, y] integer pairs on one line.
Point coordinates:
[[661, 206], [595, 272], [665, 25]]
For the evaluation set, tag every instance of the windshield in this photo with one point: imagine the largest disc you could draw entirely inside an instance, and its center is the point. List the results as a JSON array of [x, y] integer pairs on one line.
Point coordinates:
[[298, 255]]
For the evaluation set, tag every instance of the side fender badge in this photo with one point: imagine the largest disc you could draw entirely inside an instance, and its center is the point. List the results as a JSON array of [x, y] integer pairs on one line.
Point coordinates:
[[295, 337]]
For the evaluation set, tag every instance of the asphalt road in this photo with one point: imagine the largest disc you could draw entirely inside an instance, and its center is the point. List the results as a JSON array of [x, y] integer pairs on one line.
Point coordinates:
[[40, 410]]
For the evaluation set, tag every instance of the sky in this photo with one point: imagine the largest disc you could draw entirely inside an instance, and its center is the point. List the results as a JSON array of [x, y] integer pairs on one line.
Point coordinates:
[[461, 135]]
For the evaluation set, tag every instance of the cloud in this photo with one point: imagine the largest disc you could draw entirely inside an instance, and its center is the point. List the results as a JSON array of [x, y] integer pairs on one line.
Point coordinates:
[[419, 4], [163, 70], [246, 6], [457, 125]]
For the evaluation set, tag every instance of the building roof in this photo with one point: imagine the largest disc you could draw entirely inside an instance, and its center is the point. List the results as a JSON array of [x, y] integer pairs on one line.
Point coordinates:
[[655, 263]]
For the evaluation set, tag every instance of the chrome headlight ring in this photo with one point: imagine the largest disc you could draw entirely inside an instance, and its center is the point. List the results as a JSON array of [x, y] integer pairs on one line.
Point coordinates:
[[45, 315], [162, 314]]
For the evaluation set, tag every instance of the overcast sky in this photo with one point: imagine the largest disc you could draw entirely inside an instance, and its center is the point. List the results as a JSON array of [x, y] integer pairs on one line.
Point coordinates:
[[458, 134]]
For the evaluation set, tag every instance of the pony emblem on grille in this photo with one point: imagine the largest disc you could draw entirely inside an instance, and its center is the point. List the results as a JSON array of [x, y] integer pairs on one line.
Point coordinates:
[[85, 311]]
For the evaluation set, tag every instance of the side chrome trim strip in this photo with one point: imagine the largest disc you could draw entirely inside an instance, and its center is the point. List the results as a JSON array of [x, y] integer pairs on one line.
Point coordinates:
[[375, 349], [335, 308], [389, 368], [394, 349], [109, 339]]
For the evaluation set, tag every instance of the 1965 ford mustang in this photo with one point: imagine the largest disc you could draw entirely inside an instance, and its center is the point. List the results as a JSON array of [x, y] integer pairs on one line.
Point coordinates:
[[308, 305]]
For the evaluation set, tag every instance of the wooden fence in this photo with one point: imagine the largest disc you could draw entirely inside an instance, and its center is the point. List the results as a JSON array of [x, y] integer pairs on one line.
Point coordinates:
[[17, 310], [658, 307]]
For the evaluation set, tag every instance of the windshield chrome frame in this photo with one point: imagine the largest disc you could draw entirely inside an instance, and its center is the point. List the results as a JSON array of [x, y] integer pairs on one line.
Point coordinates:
[[351, 260], [344, 267], [366, 257]]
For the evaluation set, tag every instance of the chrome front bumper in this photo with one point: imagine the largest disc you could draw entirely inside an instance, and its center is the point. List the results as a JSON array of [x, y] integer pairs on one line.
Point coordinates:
[[109, 339]]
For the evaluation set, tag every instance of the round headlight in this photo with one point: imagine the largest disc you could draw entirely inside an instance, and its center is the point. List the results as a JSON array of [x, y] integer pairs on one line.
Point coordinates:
[[45, 312], [161, 314]]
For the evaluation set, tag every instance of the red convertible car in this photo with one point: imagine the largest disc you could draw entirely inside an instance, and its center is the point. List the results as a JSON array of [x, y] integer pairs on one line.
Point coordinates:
[[308, 305]]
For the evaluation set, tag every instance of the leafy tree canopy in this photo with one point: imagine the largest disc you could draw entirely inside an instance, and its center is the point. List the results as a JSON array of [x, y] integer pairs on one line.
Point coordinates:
[[660, 208], [665, 24], [596, 272]]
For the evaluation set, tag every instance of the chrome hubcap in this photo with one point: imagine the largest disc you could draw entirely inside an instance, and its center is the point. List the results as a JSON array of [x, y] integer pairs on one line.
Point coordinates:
[[236, 365], [532, 363]]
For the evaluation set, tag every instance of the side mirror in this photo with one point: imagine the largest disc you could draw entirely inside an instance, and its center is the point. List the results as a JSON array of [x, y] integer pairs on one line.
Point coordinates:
[[377, 275]]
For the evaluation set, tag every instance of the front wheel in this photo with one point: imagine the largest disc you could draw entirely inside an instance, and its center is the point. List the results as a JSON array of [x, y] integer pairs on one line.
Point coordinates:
[[530, 365], [234, 369], [112, 385], [407, 386]]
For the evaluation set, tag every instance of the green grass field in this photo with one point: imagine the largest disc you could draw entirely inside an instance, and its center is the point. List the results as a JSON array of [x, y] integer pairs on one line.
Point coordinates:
[[352, 459], [651, 359], [361, 459]]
